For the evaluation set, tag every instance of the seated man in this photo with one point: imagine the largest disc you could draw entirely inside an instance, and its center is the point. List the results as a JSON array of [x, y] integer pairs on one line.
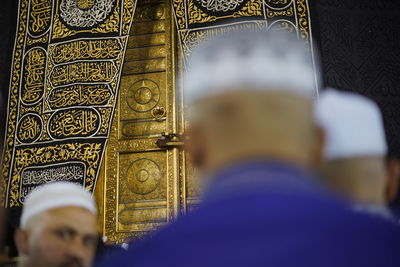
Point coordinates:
[[252, 136], [355, 149], [57, 227]]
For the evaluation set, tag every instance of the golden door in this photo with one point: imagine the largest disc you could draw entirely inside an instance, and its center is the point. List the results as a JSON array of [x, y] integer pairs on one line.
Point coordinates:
[[145, 180], [142, 186]]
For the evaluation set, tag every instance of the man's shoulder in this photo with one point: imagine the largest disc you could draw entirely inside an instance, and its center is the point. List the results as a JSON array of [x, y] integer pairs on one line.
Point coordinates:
[[311, 229], [280, 219]]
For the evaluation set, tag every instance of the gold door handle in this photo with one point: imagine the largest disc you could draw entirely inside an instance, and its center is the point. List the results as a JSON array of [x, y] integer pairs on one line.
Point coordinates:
[[170, 140], [159, 113]]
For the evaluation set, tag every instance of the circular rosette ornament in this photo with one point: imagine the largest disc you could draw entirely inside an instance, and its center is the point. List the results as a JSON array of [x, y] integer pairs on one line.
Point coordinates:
[[143, 95], [144, 176], [220, 6], [85, 13]]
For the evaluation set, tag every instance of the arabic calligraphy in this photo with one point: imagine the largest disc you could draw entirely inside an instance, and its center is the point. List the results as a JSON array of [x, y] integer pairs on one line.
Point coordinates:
[[34, 176], [83, 72], [33, 75], [75, 13], [86, 49], [277, 4], [79, 95], [220, 5], [29, 128], [85, 153], [74, 123], [40, 17]]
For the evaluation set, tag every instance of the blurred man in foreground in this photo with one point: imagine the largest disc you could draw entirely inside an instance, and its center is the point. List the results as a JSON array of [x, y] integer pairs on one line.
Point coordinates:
[[252, 135], [58, 227], [355, 150]]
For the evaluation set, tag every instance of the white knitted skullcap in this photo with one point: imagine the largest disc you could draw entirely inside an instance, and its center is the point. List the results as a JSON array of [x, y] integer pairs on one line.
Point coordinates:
[[262, 61], [56, 195], [353, 125]]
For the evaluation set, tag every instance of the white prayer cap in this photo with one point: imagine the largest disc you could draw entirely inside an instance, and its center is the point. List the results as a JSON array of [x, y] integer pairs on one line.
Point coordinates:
[[259, 60], [353, 125], [56, 195]]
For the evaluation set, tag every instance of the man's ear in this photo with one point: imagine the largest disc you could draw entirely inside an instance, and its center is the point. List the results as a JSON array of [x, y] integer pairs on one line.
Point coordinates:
[[318, 156], [21, 240], [193, 145], [392, 179]]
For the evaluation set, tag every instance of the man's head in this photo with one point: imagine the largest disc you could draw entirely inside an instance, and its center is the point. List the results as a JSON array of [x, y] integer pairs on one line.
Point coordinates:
[[58, 227], [249, 95], [355, 145]]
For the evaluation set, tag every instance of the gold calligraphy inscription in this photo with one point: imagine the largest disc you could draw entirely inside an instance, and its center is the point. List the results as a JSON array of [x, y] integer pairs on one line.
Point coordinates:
[[33, 76], [87, 152], [36, 108], [29, 128], [83, 72], [79, 95], [277, 3], [31, 40], [40, 17], [80, 122], [283, 25], [275, 13], [85, 49]]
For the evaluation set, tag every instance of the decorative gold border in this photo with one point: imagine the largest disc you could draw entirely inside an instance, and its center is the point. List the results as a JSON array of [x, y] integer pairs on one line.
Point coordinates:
[[13, 94]]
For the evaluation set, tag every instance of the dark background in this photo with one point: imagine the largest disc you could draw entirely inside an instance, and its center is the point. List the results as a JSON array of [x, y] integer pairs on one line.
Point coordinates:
[[360, 51], [359, 43]]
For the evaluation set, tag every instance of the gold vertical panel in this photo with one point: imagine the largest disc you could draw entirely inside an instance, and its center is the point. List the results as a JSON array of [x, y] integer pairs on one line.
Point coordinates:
[[141, 181]]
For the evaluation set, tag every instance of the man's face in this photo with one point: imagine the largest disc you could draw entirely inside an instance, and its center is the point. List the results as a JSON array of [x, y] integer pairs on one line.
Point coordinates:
[[62, 237]]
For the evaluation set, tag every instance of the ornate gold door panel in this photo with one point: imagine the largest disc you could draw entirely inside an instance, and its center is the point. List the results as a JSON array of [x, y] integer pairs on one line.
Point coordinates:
[[144, 185], [141, 180]]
